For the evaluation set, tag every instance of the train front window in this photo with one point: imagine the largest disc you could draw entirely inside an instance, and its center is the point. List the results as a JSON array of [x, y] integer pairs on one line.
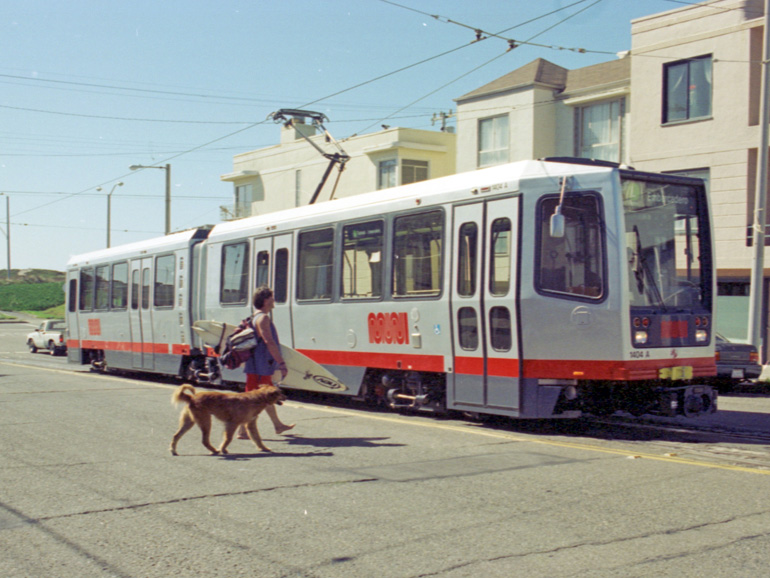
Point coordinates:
[[663, 244]]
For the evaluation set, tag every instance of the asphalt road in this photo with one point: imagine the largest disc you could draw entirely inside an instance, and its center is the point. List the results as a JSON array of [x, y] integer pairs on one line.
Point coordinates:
[[88, 488]]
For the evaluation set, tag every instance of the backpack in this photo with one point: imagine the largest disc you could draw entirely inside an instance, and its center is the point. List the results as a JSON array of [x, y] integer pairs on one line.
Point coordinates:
[[240, 345]]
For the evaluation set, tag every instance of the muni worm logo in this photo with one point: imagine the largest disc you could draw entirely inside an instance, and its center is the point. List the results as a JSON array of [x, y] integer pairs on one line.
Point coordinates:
[[324, 381]]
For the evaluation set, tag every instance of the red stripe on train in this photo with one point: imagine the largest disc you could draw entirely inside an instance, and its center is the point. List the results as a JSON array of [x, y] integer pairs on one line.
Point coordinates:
[[499, 367]]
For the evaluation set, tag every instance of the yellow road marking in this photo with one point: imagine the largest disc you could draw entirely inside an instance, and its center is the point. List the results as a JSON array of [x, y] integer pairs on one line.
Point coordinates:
[[457, 429]]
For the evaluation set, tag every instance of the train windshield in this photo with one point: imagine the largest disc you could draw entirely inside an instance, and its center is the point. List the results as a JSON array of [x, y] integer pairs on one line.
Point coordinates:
[[666, 236]]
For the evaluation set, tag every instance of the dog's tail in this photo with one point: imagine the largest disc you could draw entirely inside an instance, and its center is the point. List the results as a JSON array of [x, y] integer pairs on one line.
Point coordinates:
[[183, 393]]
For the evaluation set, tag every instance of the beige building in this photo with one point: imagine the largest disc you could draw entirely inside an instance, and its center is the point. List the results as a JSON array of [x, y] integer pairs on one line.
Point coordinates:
[[696, 90], [544, 110], [286, 175]]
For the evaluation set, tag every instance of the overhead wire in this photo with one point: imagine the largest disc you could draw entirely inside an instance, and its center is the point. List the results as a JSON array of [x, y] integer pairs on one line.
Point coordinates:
[[512, 44]]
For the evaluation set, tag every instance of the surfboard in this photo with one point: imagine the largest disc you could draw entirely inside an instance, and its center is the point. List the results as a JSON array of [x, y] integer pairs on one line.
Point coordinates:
[[304, 373]]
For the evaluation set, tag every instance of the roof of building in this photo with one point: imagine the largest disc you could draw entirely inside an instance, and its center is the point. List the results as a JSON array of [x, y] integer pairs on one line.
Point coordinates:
[[544, 72]]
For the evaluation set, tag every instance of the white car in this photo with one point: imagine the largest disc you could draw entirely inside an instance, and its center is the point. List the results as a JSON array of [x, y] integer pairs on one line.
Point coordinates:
[[50, 336]]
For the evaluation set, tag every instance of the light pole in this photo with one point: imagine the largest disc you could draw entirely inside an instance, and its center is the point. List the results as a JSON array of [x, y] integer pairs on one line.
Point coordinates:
[[166, 168], [109, 207], [7, 231]]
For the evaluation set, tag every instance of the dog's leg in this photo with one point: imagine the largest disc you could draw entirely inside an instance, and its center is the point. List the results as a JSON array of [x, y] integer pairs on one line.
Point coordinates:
[[227, 437], [185, 423], [204, 422], [251, 427]]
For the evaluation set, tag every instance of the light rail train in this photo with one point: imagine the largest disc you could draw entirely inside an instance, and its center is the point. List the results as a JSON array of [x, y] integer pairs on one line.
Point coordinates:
[[536, 289]]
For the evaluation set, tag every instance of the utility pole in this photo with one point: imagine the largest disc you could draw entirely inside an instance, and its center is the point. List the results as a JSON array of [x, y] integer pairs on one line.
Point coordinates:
[[758, 235], [8, 230]]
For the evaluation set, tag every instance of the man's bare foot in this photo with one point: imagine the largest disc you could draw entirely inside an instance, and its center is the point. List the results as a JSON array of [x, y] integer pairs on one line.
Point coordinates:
[[283, 427]]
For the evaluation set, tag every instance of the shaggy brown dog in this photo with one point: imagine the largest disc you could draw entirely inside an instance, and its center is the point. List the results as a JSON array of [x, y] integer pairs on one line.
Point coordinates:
[[232, 408]]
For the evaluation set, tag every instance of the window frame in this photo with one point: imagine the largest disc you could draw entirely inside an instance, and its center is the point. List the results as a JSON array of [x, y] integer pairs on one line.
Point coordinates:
[[542, 221], [376, 295], [395, 254], [303, 268], [113, 289], [159, 299], [666, 93], [242, 295], [102, 287], [618, 127], [500, 155]]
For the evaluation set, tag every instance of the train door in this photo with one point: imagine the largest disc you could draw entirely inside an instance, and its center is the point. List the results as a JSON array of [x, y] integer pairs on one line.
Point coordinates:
[[483, 305], [141, 314], [272, 269]]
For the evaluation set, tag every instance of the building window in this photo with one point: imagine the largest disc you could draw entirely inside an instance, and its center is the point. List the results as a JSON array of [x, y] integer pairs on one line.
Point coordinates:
[[493, 141], [413, 171], [243, 200], [600, 131], [386, 174], [687, 89]]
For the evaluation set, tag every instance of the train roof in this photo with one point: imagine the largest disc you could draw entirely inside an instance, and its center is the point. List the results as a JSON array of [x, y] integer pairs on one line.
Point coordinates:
[[461, 184], [445, 188], [148, 246]]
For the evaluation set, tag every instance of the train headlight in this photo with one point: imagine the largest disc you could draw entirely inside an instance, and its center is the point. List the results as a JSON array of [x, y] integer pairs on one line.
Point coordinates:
[[701, 336], [640, 337]]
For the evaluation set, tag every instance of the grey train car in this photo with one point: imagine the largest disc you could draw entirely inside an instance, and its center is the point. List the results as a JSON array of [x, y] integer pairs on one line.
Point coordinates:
[[535, 289]]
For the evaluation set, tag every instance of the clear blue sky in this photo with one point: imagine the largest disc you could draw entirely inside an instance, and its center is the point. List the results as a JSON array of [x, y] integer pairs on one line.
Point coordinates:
[[90, 87]]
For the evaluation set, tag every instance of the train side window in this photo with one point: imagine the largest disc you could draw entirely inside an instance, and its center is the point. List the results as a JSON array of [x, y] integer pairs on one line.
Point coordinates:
[[234, 274], [163, 294], [468, 324], [315, 264], [500, 257], [102, 287], [466, 263], [86, 297], [500, 328], [263, 269], [362, 260], [146, 288], [417, 249], [119, 285], [72, 296], [281, 276], [572, 265]]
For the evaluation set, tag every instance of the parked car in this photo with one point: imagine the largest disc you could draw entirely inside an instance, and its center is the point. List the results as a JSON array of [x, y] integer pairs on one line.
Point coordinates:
[[736, 363], [50, 335]]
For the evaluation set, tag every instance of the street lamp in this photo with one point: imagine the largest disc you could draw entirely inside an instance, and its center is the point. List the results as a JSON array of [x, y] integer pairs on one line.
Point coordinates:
[[109, 203], [7, 232], [166, 168]]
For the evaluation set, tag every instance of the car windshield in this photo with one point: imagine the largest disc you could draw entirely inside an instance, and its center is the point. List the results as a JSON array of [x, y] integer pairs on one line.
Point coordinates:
[[60, 325]]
